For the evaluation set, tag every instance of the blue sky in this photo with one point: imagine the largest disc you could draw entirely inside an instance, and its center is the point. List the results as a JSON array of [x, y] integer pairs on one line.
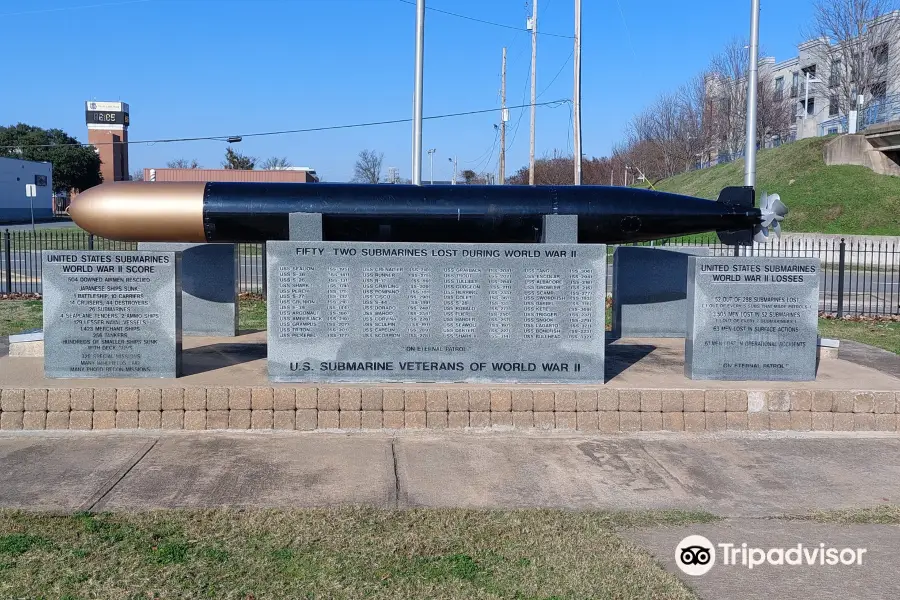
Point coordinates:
[[224, 67]]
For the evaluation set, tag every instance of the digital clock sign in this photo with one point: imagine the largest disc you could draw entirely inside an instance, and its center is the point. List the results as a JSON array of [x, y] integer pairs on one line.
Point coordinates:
[[106, 117]]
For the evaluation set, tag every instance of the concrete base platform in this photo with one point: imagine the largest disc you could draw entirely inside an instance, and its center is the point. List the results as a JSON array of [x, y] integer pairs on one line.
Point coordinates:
[[226, 387], [630, 363]]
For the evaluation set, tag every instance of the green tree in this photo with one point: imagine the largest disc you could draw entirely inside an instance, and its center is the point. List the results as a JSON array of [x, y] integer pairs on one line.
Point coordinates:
[[237, 161], [74, 166]]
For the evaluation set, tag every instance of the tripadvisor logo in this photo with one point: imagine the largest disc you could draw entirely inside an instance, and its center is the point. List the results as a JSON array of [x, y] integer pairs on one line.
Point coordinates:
[[695, 555]]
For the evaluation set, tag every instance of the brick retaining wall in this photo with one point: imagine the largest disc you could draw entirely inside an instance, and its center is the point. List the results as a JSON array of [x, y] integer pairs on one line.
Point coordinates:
[[368, 408]]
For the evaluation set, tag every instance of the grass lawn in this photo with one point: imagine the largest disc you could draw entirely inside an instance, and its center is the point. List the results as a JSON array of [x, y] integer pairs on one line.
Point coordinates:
[[837, 199], [881, 334], [878, 515], [19, 315], [340, 553], [252, 313]]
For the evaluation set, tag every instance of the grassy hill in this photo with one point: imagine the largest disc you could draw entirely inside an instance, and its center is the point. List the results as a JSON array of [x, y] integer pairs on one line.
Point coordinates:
[[840, 199]]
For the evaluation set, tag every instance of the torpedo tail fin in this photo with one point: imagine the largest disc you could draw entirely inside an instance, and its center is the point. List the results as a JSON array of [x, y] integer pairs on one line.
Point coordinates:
[[739, 199]]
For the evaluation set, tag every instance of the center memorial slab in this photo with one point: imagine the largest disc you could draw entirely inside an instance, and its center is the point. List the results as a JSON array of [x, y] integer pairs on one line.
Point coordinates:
[[416, 312], [752, 319]]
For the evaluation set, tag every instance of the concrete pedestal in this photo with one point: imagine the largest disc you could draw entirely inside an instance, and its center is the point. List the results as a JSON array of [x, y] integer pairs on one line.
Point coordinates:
[[209, 286]]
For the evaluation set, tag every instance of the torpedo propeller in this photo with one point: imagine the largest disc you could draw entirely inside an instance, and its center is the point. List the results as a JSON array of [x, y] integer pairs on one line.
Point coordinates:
[[773, 212]]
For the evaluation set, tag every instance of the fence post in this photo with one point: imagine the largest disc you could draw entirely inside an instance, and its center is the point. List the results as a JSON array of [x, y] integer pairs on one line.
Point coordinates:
[[841, 257], [90, 241], [265, 273], [7, 252]]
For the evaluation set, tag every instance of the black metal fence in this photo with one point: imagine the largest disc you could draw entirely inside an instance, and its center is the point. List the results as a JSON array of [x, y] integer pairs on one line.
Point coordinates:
[[859, 278]]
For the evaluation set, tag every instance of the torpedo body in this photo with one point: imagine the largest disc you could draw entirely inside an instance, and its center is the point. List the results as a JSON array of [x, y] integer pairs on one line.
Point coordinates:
[[257, 212]]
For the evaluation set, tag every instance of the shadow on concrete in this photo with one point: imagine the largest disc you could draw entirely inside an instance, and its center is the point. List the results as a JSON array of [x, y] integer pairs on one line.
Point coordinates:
[[870, 356], [219, 356], [621, 357], [250, 331]]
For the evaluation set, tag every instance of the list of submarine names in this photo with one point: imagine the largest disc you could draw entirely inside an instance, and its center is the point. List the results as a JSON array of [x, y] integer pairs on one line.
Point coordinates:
[[108, 322], [500, 294]]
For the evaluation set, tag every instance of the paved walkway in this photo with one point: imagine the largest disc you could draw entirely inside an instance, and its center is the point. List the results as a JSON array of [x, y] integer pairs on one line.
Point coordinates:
[[747, 478], [734, 475]]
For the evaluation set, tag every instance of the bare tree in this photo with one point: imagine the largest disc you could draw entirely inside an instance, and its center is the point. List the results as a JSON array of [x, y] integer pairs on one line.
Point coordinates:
[[854, 40], [275, 163], [726, 105], [668, 137], [727, 88], [368, 167], [137, 175], [774, 111], [183, 163], [698, 131]]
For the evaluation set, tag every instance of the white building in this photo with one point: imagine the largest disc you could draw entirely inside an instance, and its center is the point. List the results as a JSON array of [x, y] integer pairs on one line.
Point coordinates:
[[17, 178], [814, 81]]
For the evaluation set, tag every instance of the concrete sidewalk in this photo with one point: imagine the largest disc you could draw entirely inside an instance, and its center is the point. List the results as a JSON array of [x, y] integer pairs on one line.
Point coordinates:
[[733, 475]]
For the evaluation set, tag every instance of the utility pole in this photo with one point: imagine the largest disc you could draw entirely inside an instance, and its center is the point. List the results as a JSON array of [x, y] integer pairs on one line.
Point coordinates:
[[534, 18], [431, 155], [503, 119], [577, 95], [418, 97], [753, 75]]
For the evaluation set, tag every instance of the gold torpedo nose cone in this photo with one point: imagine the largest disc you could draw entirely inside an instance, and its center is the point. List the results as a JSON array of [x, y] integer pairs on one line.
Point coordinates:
[[136, 211]]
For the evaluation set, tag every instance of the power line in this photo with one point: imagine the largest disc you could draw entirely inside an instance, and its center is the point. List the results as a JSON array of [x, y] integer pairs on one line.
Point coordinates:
[[627, 32], [483, 154], [223, 138], [558, 73], [482, 21], [64, 8], [522, 113], [482, 163]]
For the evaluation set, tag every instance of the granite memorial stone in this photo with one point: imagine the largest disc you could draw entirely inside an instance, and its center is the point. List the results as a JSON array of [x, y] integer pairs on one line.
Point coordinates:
[[650, 291], [111, 314], [752, 319], [209, 282], [354, 311]]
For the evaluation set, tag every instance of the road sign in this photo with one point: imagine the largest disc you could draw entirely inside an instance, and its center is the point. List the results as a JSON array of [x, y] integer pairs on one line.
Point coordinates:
[[30, 190]]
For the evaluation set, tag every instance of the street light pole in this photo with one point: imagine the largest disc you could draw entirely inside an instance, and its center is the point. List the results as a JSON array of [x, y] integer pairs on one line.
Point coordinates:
[[577, 96], [503, 120], [418, 97], [455, 167], [534, 18], [753, 80], [431, 155]]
